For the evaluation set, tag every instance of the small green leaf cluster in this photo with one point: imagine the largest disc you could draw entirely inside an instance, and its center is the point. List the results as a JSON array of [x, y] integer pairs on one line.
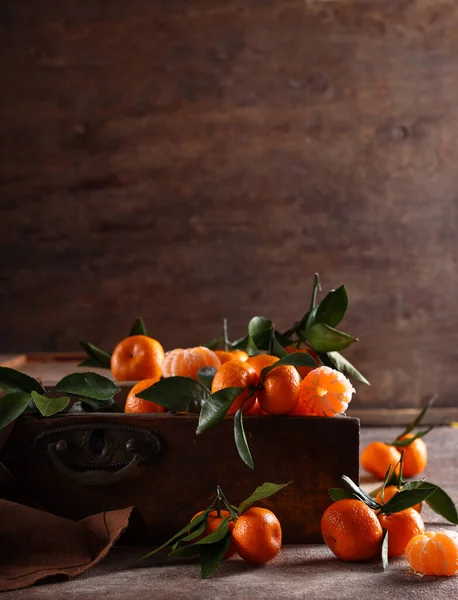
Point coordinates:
[[24, 394], [316, 329], [96, 357], [191, 541]]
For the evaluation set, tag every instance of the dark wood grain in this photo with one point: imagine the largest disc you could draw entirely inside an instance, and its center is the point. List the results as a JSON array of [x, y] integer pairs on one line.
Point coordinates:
[[311, 452], [189, 161]]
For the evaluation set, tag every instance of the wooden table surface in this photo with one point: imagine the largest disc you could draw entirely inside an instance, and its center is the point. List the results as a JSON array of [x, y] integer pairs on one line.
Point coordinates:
[[310, 572]]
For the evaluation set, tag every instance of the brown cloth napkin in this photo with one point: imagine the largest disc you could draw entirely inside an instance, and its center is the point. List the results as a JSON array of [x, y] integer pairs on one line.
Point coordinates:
[[36, 544]]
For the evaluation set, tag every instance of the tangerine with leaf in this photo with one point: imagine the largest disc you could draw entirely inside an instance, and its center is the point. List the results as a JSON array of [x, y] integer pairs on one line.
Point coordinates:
[[237, 373], [402, 526], [304, 371], [134, 404]]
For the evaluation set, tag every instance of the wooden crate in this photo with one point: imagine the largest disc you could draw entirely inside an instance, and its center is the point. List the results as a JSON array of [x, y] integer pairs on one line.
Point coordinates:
[[77, 465]]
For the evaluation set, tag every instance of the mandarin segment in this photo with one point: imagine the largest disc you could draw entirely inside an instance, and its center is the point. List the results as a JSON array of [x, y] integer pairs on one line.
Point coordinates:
[[279, 393], [351, 530], [137, 357], [377, 457], [186, 362], [257, 535], [138, 405], [402, 527], [434, 553], [324, 392], [236, 373]]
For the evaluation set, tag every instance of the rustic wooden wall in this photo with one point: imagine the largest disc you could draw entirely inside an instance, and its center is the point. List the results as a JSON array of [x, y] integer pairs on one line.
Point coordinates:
[[188, 160]]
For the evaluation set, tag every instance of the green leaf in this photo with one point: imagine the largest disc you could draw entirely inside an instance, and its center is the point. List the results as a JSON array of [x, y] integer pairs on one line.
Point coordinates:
[[385, 550], [12, 406], [247, 344], [193, 524], [206, 375], [14, 381], [241, 441], [50, 406], [189, 551], [297, 359], [193, 535], [333, 307], [441, 503], [405, 443], [211, 555], [91, 362], [215, 407], [418, 419], [177, 394], [276, 349], [327, 339], [359, 493], [263, 491], [217, 535], [260, 331], [87, 385], [342, 494], [406, 499], [344, 366], [138, 328], [283, 339], [101, 358], [214, 343]]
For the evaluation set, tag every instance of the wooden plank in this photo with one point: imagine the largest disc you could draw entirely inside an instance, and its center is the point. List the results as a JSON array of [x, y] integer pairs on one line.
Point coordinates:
[[312, 452]]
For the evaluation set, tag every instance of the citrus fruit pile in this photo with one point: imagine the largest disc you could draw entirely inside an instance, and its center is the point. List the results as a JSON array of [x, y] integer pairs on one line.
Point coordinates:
[[299, 372], [359, 526], [216, 533], [378, 456]]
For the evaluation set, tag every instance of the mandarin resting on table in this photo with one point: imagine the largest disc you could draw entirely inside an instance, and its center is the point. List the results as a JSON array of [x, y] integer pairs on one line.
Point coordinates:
[[257, 535], [237, 373], [351, 530], [225, 355], [402, 526], [213, 522], [304, 371], [389, 492], [434, 553], [138, 405], [187, 361], [324, 392], [377, 457], [415, 456], [137, 357], [279, 393], [260, 361]]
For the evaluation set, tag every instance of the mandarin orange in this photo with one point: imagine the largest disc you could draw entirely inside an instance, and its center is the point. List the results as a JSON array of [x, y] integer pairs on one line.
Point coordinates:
[[351, 530], [138, 405], [257, 535], [237, 373], [137, 357]]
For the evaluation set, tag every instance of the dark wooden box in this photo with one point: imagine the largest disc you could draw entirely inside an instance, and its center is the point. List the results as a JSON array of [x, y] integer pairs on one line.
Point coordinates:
[[77, 465]]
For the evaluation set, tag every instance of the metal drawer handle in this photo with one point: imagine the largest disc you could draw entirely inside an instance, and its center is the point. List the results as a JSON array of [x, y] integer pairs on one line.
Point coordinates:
[[97, 477]]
